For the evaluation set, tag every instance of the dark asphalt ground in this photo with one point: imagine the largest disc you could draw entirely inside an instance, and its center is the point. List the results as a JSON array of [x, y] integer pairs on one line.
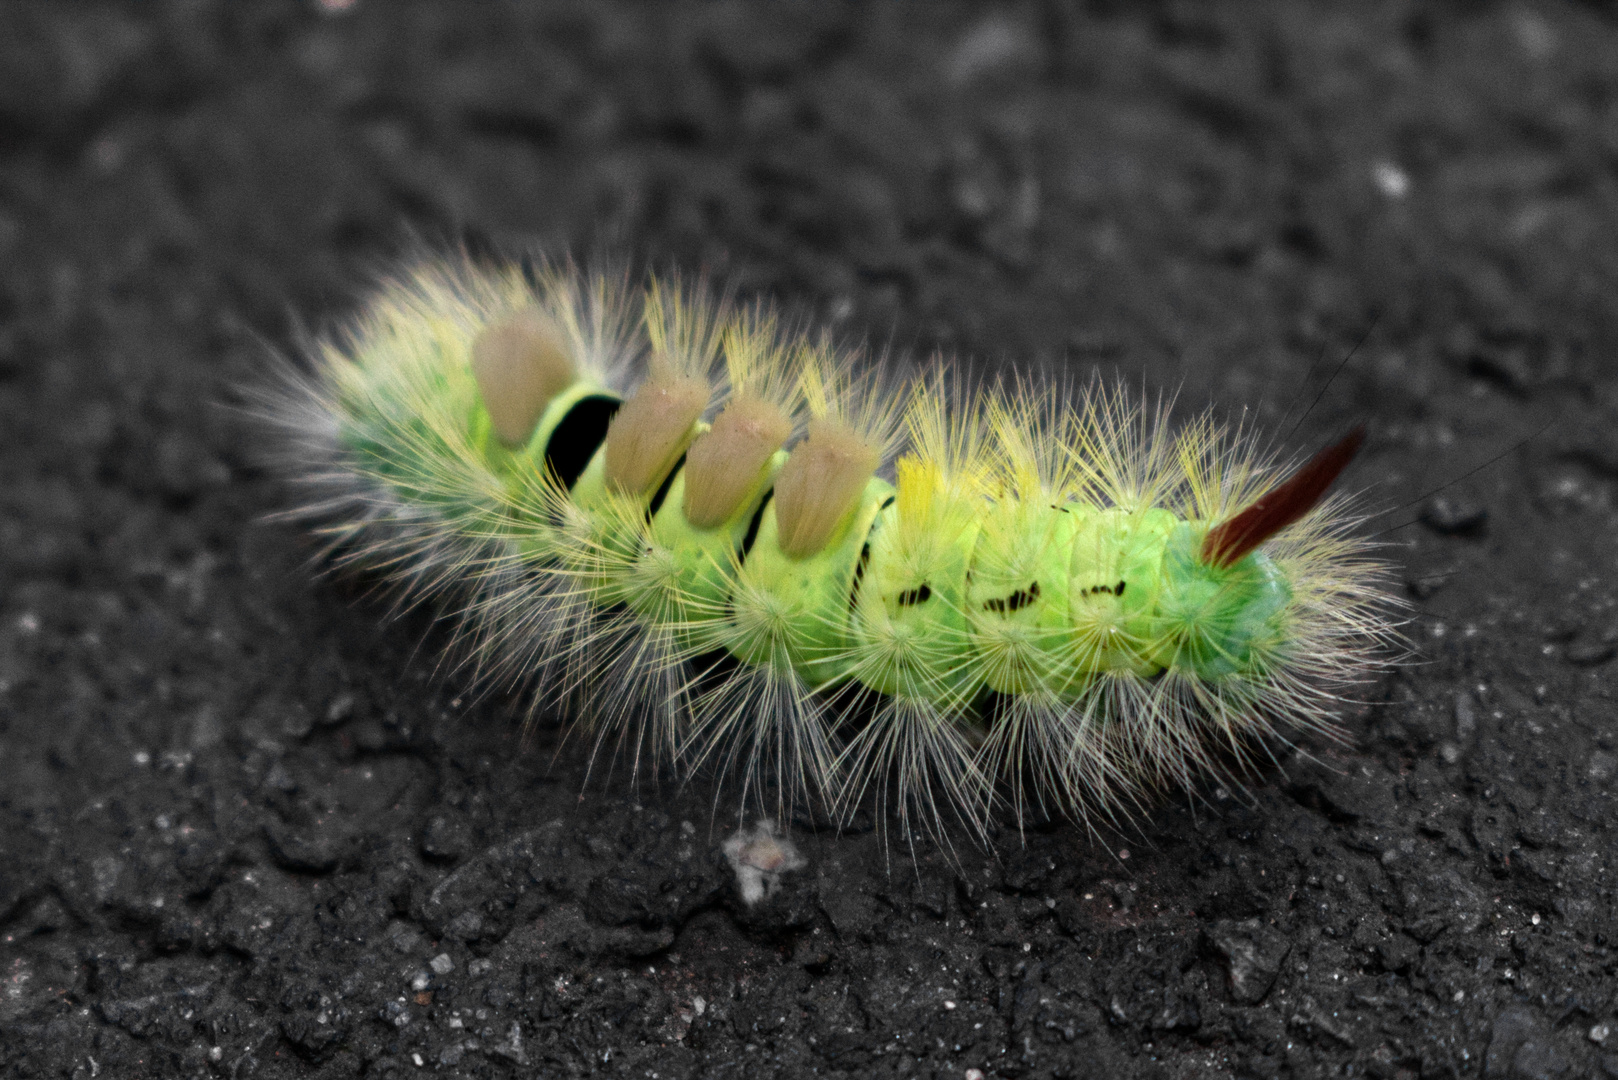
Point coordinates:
[[251, 826]]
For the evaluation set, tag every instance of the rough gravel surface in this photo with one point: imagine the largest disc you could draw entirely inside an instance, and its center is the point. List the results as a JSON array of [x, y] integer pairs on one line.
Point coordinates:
[[250, 826]]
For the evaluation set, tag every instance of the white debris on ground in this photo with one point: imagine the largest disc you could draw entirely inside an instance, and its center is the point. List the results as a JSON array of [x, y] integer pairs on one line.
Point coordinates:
[[759, 858]]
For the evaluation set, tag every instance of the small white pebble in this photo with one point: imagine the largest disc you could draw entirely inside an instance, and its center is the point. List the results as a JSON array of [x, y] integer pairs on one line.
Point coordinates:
[[417, 1059], [216, 1053], [1600, 1033], [1391, 180], [759, 857], [1535, 919], [442, 964], [1536, 37], [974, 1074], [1460, 995], [949, 1006]]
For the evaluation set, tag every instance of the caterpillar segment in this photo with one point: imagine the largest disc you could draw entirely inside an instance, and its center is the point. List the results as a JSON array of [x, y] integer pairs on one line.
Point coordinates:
[[725, 561]]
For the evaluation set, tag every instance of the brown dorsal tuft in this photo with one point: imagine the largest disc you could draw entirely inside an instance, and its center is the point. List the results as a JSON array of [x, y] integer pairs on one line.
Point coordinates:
[[520, 363], [725, 463], [653, 428], [820, 483], [1281, 505]]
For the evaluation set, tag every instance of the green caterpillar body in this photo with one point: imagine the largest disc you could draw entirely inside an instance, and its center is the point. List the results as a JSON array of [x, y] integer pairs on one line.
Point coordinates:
[[1032, 594], [1067, 619]]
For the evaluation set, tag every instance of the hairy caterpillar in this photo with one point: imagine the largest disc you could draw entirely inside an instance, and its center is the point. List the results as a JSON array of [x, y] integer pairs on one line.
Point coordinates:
[[718, 541]]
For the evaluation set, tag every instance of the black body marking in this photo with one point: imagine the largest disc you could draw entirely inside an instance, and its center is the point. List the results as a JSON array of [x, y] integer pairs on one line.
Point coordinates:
[[859, 575], [1016, 601], [919, 595], [577, 438], [865, 554], [752, 526], [663, 489]]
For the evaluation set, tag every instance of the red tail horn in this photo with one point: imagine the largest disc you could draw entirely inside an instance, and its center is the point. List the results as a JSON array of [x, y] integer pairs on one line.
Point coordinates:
[[1281, 505]]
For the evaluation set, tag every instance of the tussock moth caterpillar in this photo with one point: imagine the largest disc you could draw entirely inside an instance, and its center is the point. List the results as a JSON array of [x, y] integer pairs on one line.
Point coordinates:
[[720, 542]]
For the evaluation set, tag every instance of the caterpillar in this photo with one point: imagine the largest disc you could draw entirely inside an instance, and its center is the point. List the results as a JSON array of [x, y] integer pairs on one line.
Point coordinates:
[[718, 540]]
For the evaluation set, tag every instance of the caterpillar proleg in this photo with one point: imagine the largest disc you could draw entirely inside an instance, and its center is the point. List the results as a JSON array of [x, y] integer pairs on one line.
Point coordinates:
[[719, 541]]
